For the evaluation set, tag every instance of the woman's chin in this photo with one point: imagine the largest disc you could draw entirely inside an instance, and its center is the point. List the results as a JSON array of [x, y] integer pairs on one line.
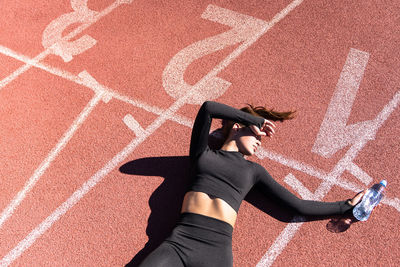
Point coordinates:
[[249, 152]]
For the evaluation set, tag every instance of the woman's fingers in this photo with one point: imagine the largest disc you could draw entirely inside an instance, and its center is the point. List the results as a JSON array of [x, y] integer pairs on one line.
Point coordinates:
[[357, 198], [257, 131], [268, 127], [269, 122]]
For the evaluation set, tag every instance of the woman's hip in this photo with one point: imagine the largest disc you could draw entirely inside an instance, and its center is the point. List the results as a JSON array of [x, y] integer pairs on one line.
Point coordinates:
[[202, 241]]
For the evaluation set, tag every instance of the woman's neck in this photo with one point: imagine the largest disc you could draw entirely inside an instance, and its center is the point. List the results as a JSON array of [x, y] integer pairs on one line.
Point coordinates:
[[230, 146]]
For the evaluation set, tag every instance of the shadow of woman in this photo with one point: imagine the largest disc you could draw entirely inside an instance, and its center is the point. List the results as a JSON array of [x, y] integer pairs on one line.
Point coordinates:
[[165, 202]]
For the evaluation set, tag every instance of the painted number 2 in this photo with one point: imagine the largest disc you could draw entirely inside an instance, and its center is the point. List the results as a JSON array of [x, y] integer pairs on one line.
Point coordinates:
[[243, 26]]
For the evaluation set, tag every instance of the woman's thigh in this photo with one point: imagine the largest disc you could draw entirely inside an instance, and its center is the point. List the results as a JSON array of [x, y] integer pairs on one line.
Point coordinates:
[[163, 256]]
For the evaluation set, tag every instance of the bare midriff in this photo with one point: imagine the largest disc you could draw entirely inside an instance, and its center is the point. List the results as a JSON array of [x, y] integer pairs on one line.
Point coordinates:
[[204, 204]]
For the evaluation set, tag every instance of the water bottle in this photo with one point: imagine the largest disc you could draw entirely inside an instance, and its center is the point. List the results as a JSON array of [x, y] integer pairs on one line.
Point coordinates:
[[370, 200]]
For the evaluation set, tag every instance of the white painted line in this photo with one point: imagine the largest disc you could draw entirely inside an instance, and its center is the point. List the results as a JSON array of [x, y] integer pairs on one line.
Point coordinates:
[[305, 168], [395, 202], [96, 86], [334, 133], [31, 62], [69, 36], [241, 29], [263, 153], [359, 173], [52, 36], [290, 230], [291, 163], [75, 198], [288, 233], [22, 69], [293, 182], [77, 195], [76, 79], [71, 201], [211, 79], [132, 124], [94, 180], [183, 120], [248, 42], [384, 114], [8, 211], [280, 243]]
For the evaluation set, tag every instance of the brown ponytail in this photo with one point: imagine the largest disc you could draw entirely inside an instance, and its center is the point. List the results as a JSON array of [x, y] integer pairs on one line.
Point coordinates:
[[269, 114]]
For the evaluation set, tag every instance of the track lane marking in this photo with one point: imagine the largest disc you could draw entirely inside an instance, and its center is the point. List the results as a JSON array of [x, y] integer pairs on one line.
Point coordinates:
[[67, 37], [370, 129], [86, 187], [183, 120], [9, 210], [391, 201]]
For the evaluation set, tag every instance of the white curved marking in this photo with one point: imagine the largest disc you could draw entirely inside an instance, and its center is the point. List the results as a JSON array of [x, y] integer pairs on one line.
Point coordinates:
[[117, 159], [210, 87]]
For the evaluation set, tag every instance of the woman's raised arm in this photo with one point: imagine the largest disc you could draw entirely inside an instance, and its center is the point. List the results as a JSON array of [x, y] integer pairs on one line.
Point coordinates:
[[202, 123]]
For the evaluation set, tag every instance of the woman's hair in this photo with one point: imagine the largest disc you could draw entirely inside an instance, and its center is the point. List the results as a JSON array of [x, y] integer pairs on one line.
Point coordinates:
[[259, 111]]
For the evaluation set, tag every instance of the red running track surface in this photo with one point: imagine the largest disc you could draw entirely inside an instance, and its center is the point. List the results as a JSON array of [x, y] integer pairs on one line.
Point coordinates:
[[97, 101]]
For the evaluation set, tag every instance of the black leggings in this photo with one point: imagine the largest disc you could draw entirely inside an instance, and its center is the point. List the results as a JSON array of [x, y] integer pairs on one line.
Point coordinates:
[[196, 241]]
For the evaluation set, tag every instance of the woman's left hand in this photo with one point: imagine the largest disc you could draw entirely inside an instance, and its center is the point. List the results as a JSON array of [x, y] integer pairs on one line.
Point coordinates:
[[357, 198]]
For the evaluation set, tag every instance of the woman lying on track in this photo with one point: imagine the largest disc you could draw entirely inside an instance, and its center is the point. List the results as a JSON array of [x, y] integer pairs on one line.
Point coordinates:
[[221, 180]]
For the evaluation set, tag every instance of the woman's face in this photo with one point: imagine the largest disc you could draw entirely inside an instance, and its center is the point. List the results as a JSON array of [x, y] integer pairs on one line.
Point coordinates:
[[247, 141]]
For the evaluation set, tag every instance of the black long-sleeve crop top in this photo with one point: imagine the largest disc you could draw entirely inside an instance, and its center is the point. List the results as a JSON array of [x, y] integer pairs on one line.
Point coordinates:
[[229, 176]]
